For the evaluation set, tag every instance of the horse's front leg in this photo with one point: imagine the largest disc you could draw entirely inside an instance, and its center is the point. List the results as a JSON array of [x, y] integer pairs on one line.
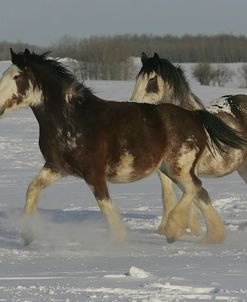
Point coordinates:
[[99, 188], [45, 178]]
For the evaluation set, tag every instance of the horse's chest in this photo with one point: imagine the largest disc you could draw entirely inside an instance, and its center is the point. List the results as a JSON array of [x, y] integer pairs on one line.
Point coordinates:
[[60, 151]]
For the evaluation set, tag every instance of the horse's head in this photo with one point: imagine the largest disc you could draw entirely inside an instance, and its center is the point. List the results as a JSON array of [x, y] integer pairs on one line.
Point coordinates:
[[160, 81], [149, 85], [17, 88]]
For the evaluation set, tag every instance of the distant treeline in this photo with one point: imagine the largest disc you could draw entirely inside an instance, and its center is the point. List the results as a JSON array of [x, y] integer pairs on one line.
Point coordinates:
[[107, 57]]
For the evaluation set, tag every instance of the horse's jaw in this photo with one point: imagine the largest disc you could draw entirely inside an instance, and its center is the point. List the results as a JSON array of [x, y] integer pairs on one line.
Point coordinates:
[[4, 110]]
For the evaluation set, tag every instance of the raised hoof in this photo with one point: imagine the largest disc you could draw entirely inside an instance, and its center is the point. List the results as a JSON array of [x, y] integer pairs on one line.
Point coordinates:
[[27, 241], [27, 238], [170, 240]]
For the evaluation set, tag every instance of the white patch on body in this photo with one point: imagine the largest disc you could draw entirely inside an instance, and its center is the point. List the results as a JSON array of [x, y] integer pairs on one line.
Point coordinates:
[[184, 162], [220, 165], [71, 141], [69, 94], [33, 97], [124, 169], [220, 105], [187, 157], [68, 140]]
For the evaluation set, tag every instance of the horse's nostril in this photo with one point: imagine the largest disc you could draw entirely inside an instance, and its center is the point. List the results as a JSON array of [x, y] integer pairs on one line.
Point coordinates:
[[170, 240]]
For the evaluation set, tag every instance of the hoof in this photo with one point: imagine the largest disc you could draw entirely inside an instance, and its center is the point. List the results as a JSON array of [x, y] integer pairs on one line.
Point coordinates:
[[27, 240], [170, 240], [27, 236]]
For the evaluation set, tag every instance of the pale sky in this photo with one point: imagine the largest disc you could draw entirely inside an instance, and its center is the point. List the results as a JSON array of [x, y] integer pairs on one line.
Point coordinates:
[[42, 22]]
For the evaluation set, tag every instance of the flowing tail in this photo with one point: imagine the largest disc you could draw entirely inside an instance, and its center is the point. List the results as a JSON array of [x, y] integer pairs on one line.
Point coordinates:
[[219, 132]]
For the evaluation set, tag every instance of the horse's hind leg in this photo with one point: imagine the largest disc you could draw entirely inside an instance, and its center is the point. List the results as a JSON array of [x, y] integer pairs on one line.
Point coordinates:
[[98, 186], [168, 198], [169, 202], [46, 177], [216, 232], [194, 227]]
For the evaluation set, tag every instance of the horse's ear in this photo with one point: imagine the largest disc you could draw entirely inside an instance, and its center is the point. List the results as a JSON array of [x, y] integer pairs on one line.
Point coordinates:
[[21, 60], [156, 58], [144, 57], [13, 56], [26, 52], [26, 58]]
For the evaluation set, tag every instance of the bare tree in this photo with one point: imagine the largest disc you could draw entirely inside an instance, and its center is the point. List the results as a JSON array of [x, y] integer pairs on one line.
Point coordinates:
[[243, 73], [221, 74], [107, 57], [203, 72]]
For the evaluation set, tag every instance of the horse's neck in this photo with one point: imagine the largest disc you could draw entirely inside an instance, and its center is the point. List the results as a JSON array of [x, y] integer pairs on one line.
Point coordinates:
[[186, 99], [65, 109], [193, 102]]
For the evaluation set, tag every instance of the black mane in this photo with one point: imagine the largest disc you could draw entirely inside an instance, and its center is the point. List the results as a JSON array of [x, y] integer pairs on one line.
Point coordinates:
[[44, 67], [26, 59], [173, 75], [54, 65]]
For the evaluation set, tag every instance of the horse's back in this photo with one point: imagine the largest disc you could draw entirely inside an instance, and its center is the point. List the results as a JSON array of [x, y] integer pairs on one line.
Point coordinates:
[[180, 123]]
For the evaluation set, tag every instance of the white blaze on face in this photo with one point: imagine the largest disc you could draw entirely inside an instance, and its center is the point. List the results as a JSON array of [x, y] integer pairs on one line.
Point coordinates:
[[8, 86], [10, 98], [140, 93]]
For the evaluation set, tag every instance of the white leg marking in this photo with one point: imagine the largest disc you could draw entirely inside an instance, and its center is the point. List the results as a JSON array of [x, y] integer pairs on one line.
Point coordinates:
[[45, 178], [179, 217], [216, 231], [169, 200], [115, 222]]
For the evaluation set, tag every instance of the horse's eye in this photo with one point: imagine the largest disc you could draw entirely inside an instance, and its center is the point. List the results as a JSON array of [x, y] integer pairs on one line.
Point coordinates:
[[17, 77], [152, 79]]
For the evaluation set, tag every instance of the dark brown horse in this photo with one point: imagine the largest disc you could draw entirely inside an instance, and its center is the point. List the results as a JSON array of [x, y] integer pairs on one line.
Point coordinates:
[[159, 81], [103, 141]]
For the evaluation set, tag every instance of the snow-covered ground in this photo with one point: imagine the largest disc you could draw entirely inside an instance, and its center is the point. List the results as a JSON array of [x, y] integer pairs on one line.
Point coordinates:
[[73, 258]]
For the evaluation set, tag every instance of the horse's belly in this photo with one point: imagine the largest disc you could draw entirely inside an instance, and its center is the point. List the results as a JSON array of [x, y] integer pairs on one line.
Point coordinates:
[[230, 161], [128, 170]]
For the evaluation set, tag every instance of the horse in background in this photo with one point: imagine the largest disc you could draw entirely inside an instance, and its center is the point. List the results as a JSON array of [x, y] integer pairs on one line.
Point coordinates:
[[159, 81]]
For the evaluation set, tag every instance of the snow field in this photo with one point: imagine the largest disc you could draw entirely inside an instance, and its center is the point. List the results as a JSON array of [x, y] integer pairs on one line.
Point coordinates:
[[73, 257]]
